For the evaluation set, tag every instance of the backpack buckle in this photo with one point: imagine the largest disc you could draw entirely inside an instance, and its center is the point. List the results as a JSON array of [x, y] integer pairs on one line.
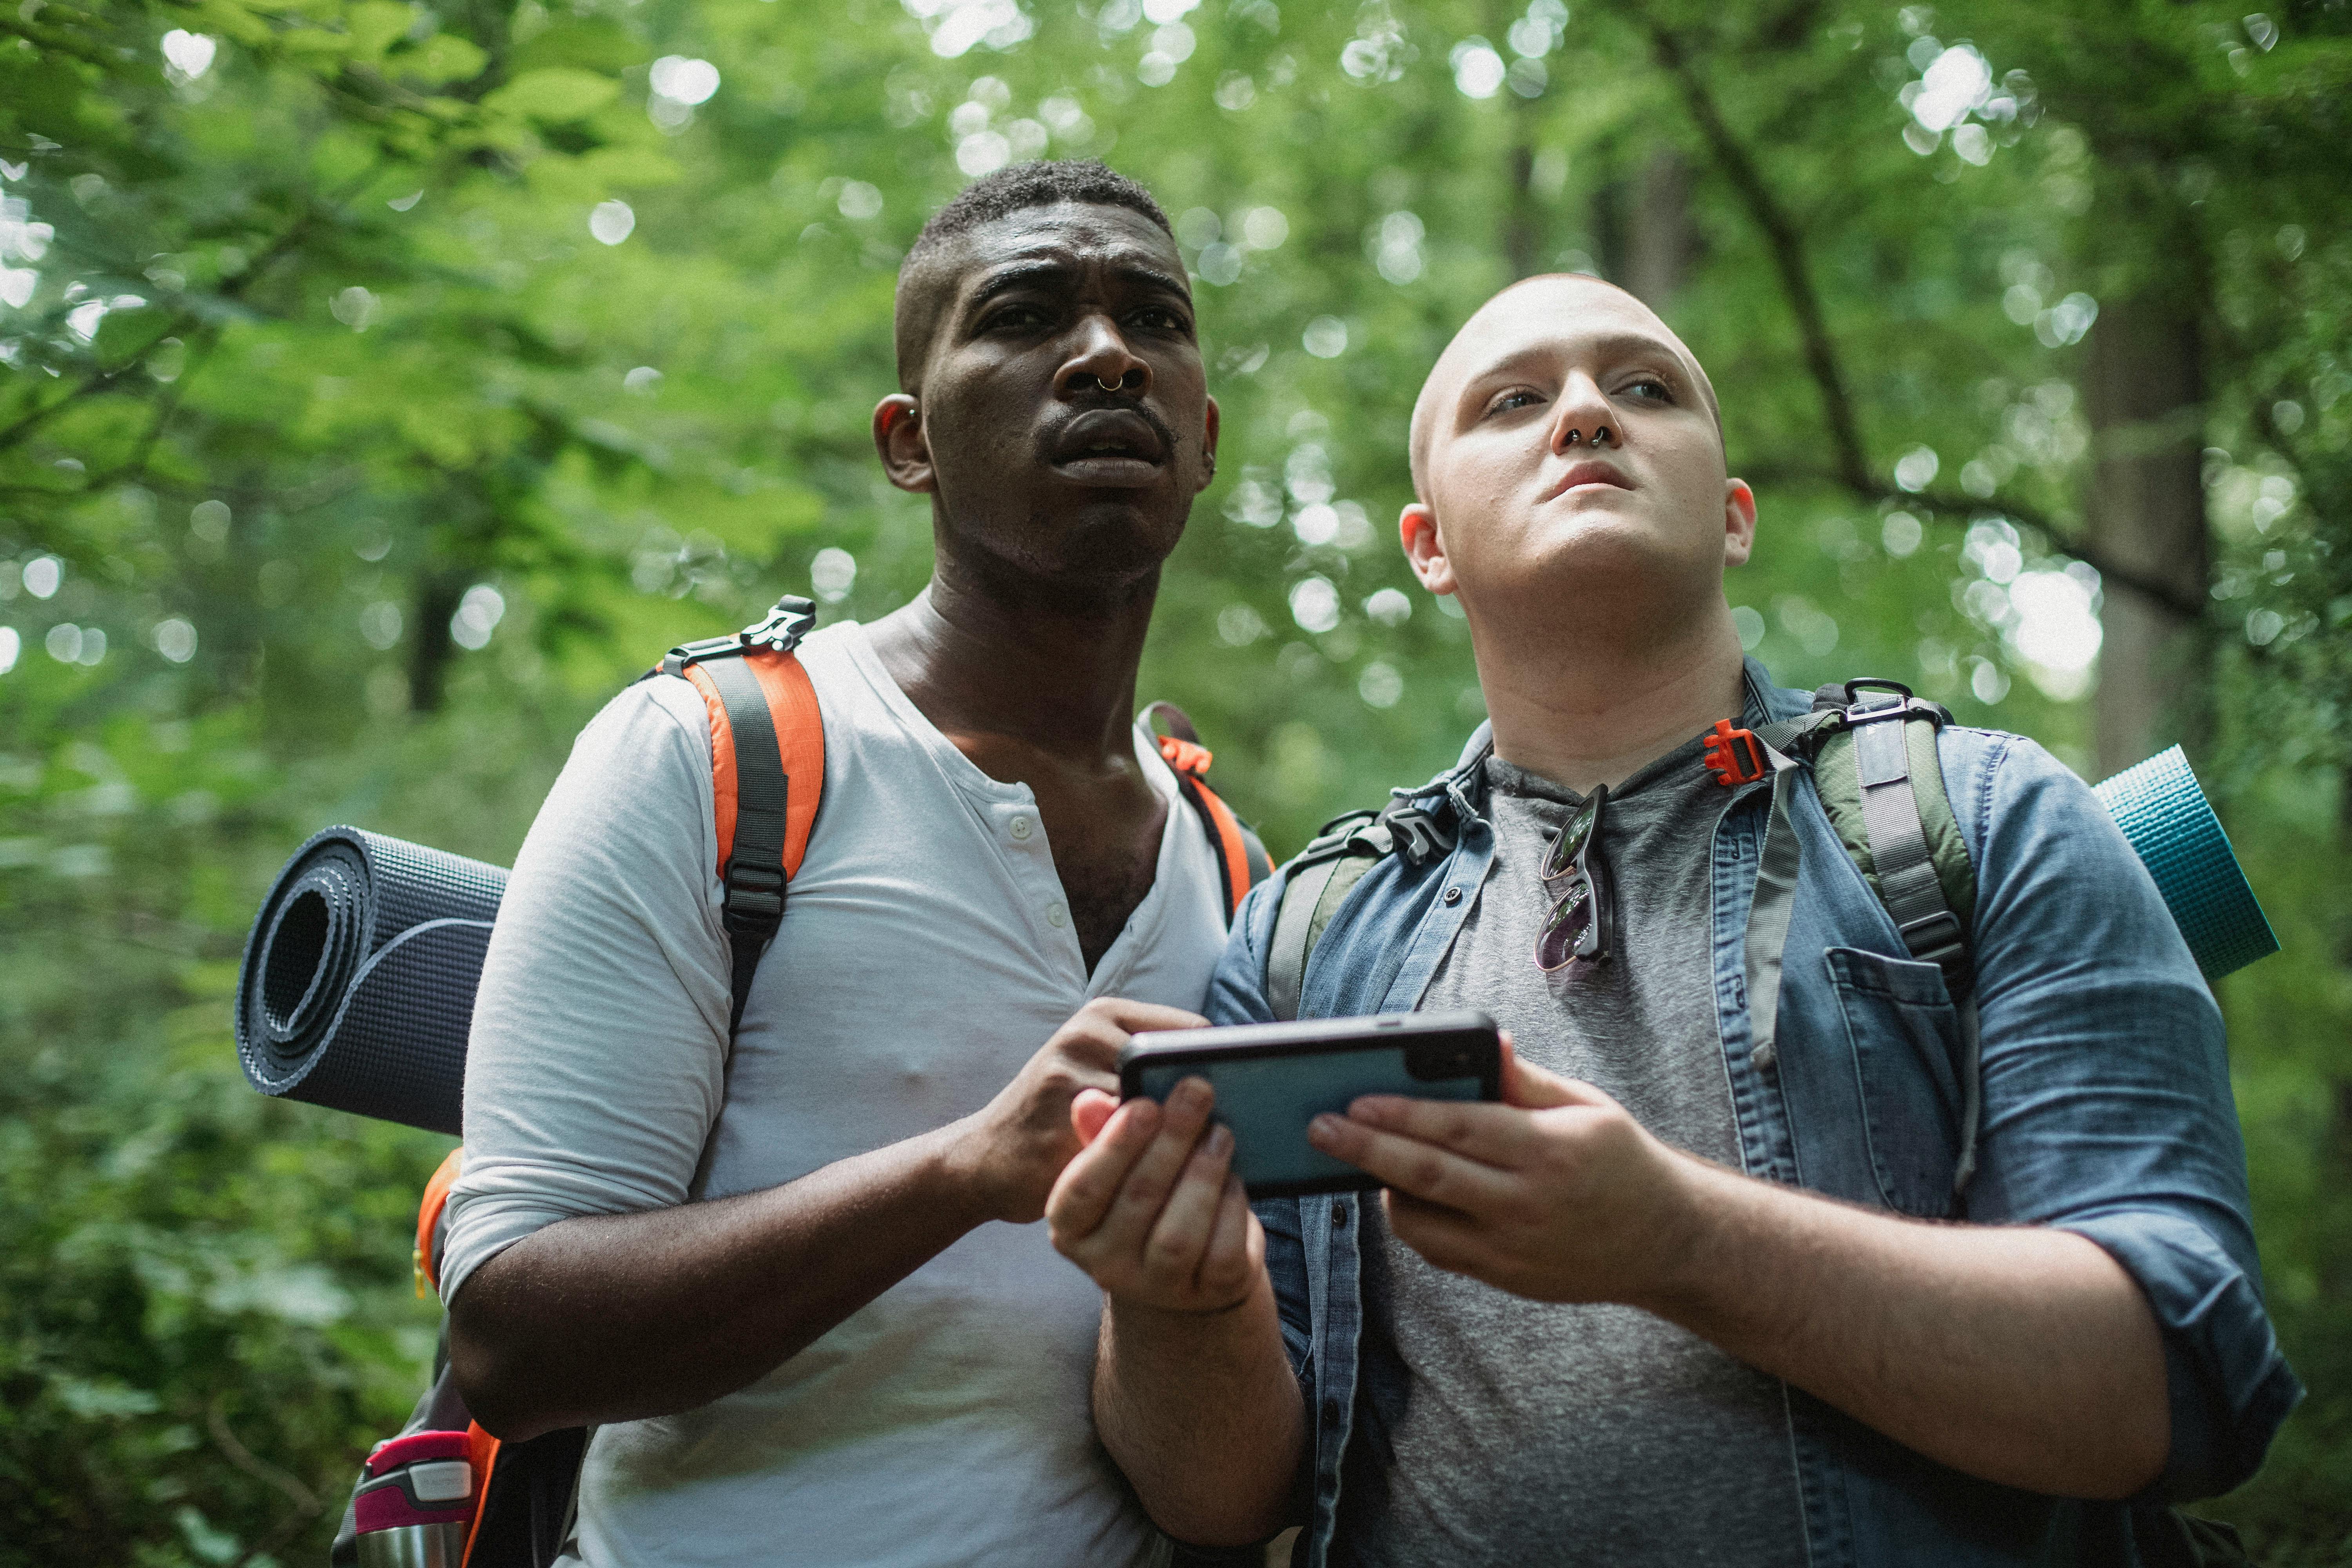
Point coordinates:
[[755, 897], [782, 629], [1187, 757], [1733, 756], [1934, 938], [786, 622], [1417, 833]]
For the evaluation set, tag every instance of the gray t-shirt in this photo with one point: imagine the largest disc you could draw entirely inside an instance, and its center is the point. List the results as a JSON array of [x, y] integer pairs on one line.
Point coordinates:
[[1494, 1429]]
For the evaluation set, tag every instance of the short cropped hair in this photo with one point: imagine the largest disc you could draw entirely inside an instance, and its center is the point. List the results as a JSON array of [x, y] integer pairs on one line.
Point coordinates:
[[1087, 182], [1036, 184]]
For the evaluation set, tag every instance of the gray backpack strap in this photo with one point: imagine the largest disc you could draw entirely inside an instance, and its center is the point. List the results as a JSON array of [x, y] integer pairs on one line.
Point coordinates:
[[1320, 880], [1879, 779]]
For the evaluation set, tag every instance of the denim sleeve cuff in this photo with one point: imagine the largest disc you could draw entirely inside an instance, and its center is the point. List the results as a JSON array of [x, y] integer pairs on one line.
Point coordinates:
[[2226, 1383]]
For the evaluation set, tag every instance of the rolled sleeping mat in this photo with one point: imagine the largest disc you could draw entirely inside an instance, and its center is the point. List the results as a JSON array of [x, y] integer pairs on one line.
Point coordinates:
[[358, 983], [357, 986], [2166, 816]]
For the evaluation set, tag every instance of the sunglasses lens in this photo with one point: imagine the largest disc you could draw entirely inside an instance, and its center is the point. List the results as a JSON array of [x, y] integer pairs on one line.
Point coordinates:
[[1571, 917], [1571, 843]]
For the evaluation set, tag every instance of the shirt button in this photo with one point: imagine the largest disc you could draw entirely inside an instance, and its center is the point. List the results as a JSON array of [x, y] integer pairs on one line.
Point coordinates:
[[1339, 1214], [1021, 829], [1452, 895], [1056, 916], [1330, 1413]]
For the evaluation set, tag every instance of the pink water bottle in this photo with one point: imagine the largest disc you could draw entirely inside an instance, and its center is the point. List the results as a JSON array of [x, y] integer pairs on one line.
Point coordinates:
[[415, 1503]]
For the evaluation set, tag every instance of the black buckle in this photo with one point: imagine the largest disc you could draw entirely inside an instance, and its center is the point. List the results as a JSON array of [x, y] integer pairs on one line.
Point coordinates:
[[1936, 937], [784, 625], [1417, 833], [782, 629], [755, 896]]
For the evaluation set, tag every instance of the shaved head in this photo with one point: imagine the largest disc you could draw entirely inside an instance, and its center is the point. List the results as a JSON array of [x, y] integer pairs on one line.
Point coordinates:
[[1519, 313]]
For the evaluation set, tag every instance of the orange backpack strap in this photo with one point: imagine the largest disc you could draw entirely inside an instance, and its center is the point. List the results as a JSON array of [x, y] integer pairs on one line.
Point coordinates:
[[429, 1210], [1242, 859], [767, 771]]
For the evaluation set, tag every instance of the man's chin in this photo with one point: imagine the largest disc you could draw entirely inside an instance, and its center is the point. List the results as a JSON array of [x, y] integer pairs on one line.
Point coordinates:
[[1092, 555]]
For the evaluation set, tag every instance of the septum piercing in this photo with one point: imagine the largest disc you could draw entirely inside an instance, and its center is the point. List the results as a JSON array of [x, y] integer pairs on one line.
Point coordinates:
[[1601, 437]]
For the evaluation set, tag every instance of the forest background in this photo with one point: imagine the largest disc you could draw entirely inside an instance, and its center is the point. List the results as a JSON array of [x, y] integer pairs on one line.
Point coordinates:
[[382, 385]]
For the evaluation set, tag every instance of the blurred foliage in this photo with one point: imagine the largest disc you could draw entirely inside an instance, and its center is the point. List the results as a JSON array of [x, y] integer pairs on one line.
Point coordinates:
[[382, 384]]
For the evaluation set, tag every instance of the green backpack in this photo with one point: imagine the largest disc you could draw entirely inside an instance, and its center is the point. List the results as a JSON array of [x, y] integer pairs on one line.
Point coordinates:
[[1871, 746]]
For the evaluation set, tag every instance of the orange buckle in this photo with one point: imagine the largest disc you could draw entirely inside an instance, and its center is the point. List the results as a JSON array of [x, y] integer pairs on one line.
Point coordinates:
[[1184, 756], [1733, 756]]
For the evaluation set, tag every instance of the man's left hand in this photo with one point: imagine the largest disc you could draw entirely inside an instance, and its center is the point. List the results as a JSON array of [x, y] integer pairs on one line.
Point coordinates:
[[1557, 1193]]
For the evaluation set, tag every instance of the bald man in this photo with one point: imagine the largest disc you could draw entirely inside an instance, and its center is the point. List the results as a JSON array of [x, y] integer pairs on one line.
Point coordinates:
[[1680, 1299]]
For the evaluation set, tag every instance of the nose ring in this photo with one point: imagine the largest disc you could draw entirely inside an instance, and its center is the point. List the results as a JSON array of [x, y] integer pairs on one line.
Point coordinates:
[[1601, 437]]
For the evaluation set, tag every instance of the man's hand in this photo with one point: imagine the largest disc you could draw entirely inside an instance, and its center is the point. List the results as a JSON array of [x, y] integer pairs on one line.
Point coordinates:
[[1011, 1150], [1557, 1193], [2019, 1353], [1151, 1210]]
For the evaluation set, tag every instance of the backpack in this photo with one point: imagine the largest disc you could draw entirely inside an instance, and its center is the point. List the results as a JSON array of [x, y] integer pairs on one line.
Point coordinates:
[[1871, 745], [767, 760]]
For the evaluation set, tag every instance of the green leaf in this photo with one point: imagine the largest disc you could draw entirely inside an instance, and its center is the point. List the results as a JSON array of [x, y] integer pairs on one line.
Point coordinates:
[[555, 95]]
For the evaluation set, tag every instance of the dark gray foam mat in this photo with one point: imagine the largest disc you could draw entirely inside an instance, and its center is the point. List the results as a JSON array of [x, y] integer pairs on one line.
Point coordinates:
[[357, 987]]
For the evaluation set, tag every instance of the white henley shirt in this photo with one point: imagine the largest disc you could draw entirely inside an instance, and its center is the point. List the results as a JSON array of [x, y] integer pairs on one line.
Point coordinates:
[[925, 952]]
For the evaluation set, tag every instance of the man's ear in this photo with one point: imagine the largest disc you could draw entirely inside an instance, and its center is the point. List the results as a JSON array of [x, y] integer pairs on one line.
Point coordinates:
[[1425, 549], [906, 450], [1739, 523], [1208, 448]]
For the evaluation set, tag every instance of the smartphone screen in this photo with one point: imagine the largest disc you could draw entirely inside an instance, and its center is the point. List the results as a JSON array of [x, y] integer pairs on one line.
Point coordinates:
[[1272, 1080]]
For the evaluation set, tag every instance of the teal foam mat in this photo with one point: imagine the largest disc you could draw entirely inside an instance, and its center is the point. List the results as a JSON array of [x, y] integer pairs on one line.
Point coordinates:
[[2167, 819]]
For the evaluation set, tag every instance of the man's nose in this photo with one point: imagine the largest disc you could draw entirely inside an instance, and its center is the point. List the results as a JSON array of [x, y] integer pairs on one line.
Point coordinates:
[[1101, 361], [1583, 416]]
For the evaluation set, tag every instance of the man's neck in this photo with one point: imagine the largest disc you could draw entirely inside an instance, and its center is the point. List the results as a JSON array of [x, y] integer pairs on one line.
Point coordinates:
[[1586, 712], [983, 660]]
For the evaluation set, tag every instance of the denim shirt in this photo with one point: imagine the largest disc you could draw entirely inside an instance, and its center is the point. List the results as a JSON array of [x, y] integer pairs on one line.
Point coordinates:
[[2107, 1111]]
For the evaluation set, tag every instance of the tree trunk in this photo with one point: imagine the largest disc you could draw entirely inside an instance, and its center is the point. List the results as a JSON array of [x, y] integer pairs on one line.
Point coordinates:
[[2146, 395], [1660, 239], [1646, 239], [439, 594]]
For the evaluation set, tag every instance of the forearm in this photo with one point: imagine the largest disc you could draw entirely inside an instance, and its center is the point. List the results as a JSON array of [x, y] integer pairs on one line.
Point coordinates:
[[629, 1316], [1201, 1411], [2024, 1355]]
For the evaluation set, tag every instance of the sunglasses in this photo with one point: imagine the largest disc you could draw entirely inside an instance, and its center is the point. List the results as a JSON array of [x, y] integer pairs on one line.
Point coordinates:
[[1581, 922]]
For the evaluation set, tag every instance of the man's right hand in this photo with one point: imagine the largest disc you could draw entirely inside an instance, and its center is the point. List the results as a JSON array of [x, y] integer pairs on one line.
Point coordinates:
[[1011, 1151], [1151, 1209]]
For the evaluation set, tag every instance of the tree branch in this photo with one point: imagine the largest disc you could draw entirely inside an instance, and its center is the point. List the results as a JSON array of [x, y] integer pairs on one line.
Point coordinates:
[[1788, 255], [1852, 469], [1943, 504]]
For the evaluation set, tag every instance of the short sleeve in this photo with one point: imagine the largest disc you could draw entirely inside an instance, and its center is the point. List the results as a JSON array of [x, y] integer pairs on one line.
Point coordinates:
[[596, 1065]]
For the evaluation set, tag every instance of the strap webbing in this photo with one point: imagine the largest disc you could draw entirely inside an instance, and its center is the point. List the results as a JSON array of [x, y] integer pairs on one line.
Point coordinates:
[[1229, 838], [754, 872], [1286, 959], [1907, 882]]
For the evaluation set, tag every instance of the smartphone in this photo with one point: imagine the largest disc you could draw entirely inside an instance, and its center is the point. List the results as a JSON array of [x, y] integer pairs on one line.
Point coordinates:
[[1272, 1080]]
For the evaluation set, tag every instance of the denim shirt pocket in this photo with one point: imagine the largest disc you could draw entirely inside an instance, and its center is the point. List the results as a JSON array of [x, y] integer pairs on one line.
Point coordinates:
[[1905, 1037]]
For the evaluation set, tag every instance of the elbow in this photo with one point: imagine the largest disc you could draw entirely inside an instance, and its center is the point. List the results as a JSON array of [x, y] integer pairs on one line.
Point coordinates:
[[485, 1368]]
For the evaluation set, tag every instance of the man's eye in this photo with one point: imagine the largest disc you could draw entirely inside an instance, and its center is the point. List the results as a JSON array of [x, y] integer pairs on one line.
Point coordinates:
[[1159, 318], [1652, 389], [1016, 318], [1516, 398]]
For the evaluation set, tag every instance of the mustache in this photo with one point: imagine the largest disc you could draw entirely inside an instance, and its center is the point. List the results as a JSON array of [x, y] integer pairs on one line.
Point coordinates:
[[1051, 433]]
